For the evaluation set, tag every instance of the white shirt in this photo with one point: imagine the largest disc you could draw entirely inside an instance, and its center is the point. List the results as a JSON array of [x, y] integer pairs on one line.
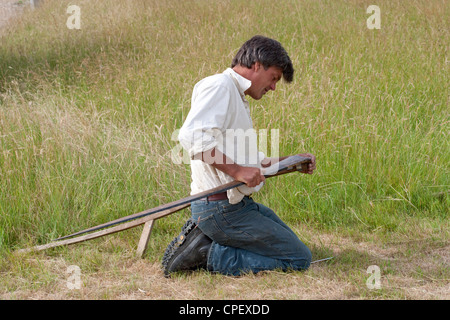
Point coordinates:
[[220, 118]]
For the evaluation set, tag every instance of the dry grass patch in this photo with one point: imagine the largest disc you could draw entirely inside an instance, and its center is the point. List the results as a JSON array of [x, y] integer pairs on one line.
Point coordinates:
[[411, 269]]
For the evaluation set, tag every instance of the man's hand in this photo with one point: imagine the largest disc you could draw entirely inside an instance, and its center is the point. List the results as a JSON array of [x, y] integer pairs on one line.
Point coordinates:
[[310, 167], [249, 175], [306, 168]]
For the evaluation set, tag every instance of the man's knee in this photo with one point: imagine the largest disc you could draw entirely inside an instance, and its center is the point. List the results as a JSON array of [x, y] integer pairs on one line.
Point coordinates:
[[303, 260]]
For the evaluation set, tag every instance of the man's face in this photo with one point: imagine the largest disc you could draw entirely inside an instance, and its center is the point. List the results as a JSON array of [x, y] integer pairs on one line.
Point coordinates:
[[263, 80]]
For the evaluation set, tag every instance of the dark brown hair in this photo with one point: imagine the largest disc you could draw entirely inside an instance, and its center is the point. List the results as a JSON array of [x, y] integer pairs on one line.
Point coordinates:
[[266, 51]]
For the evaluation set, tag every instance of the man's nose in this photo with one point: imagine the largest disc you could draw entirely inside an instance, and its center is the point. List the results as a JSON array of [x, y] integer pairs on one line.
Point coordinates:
[[273, 86]]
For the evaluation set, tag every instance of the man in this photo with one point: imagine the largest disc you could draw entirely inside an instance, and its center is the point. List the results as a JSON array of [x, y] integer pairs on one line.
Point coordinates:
[[230, 233]]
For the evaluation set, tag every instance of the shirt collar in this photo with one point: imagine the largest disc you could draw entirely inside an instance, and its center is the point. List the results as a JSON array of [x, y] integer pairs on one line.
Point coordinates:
[[241, 83]]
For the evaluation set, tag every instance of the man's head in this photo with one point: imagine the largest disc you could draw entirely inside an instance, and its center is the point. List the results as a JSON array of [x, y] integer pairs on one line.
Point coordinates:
[[263, 61]]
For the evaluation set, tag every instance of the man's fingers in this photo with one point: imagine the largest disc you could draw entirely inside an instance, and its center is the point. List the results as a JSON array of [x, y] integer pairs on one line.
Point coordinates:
[[250, 176], [311, 166], [256, 180]]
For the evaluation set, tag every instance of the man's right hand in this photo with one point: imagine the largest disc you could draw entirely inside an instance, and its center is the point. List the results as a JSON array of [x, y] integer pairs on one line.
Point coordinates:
[[249, 175]]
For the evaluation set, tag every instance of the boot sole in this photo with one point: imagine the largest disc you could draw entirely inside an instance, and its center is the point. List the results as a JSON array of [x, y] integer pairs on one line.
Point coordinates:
[[172, 251]]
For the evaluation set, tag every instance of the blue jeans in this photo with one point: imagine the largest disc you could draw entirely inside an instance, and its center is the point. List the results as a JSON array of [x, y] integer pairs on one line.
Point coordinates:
[[248, 237]]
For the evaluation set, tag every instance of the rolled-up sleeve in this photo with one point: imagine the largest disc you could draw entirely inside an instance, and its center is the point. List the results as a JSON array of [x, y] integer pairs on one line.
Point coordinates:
[[206, 122]]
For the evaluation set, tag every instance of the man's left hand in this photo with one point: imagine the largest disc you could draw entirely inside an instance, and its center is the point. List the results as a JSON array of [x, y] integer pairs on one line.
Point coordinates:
[[310, 167]]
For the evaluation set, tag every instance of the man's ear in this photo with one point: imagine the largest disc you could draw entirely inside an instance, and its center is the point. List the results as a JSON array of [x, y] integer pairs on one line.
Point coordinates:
[[256, 66]]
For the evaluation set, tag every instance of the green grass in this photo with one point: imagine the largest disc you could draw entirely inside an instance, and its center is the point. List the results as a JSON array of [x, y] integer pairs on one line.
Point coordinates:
[[86, 116]]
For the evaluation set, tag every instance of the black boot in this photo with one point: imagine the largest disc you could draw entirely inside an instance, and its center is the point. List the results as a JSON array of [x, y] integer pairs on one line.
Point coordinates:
[[188, 251]]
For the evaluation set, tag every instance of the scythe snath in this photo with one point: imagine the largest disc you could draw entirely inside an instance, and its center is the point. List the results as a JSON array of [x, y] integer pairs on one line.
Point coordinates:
[[148, 217]]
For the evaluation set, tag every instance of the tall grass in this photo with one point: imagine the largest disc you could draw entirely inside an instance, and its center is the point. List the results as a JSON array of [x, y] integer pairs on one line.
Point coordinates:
[[86, 116]]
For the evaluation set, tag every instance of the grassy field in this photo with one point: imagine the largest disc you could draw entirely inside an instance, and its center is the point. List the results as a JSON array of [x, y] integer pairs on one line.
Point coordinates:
[[86, 123]]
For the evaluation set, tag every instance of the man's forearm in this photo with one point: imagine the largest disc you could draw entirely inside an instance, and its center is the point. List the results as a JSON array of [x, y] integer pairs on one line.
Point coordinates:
[[249, 175], [218, 160]]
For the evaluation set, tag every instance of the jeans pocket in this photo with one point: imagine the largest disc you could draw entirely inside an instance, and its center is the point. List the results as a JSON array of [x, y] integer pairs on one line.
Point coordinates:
[[202, 216], [202, 209], [212, 229], [230, 208]]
